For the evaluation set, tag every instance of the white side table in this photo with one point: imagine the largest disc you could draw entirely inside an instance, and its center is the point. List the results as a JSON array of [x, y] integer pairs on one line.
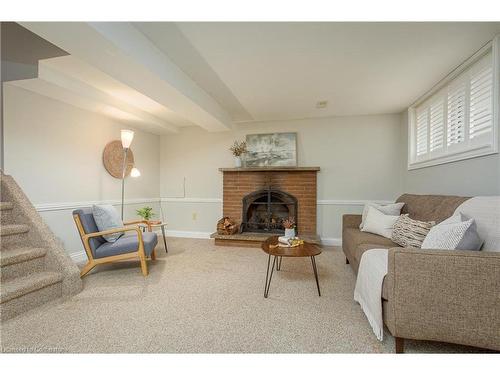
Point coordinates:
[[149, 225]]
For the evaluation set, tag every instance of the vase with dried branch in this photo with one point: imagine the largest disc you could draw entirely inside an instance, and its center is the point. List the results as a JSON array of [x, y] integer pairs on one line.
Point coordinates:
[[238, 149], [289, 225]]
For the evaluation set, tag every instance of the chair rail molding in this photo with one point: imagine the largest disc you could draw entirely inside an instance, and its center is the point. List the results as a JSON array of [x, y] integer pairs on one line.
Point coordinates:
[[192, 200], [321, 202], [350, 202], [61, 206]]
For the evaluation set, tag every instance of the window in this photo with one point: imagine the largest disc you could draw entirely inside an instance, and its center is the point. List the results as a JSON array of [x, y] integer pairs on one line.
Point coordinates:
[[458, 119]]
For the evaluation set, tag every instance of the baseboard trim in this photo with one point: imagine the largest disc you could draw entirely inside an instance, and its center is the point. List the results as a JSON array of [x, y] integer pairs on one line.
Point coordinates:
[[79, 257], [188, 234], [331, 241]]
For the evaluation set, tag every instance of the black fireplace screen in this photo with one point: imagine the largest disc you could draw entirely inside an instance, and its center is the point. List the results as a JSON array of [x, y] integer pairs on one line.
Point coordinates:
[[265, 210]]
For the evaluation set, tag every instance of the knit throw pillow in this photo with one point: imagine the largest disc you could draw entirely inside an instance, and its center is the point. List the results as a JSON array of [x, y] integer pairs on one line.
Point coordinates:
[[410, 233]]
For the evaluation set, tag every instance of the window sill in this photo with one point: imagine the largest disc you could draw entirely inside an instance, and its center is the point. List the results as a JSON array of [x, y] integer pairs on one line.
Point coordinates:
[[463, 155]]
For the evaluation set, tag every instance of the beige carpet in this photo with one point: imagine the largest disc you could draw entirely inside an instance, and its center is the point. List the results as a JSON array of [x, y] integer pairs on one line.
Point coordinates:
[[202, 298]]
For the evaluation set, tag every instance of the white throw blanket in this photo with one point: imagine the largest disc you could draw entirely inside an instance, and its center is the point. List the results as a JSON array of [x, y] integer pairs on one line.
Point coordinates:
[[368, 291]]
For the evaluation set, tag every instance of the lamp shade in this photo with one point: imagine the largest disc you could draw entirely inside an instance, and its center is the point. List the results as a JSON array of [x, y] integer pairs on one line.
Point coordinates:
[[135, 172], [127, 137]]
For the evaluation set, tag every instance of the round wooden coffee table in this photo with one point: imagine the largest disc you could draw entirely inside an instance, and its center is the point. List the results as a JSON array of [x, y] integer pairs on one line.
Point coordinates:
[[305, 250]]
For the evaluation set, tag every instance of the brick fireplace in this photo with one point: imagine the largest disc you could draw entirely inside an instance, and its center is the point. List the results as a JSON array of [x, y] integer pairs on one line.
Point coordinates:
[[299, 183]]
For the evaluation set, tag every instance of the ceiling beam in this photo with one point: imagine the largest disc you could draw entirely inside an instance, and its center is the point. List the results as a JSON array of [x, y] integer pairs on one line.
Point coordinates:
[[50, 90], [49, 72], [124, 53]]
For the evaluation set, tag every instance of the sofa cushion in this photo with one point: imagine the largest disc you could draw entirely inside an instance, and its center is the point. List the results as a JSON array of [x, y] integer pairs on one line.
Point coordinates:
[[430, 207], [127, 244], [361, 248], [355, 237]]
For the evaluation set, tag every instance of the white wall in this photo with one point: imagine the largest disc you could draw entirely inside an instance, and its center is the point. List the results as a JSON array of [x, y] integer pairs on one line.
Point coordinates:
[[359, 159], [54, 152], [477, 176]]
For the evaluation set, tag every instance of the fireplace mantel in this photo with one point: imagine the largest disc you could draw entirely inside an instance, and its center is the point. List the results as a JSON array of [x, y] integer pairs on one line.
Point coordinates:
[[271, 169]]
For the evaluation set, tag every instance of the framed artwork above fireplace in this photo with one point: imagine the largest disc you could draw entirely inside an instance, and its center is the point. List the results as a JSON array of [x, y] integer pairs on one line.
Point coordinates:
[[271, 150]]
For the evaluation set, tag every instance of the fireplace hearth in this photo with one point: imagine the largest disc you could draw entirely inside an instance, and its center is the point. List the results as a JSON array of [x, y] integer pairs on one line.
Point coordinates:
[[265, 210]]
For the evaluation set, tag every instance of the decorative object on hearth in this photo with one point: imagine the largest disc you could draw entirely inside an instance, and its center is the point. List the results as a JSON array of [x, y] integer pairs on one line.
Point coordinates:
[[226, 226], [146, 213], [112, 158], [238, 149], [271, 150], [289, 225]]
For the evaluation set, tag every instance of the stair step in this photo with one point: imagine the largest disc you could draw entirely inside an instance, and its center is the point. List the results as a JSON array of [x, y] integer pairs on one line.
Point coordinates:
[[19, 262], [23, 285], [8, 214], [6, 206], [22, 254], [11, 229]]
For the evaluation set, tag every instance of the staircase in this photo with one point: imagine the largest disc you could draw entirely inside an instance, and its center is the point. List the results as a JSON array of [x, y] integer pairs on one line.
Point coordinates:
[[34, 267]]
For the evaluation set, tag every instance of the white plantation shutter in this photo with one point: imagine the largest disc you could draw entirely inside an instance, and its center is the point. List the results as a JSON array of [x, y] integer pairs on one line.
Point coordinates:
[[481, 103], [422, 120], [436, 126], [460, 119], [456, 116]]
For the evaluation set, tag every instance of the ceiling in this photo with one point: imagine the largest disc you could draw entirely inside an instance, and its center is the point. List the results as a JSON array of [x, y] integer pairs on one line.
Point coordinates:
[[280, 70], [168, 75]]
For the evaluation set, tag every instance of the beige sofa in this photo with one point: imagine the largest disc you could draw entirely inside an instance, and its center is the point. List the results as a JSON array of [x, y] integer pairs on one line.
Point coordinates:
[[439, 295]]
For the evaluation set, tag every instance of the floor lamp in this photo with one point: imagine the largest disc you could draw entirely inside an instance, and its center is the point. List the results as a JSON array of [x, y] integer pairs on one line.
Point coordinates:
[[127, 136]]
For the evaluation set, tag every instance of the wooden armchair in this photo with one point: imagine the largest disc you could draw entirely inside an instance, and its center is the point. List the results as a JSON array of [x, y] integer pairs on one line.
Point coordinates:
[[99, 251]]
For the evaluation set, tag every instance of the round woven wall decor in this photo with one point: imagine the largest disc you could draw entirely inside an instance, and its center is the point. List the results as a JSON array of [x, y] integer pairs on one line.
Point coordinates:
[[112, 158]]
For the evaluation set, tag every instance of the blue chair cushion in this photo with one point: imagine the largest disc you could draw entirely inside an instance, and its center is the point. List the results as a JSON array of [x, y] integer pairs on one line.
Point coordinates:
[[89, 226], [127, 244]]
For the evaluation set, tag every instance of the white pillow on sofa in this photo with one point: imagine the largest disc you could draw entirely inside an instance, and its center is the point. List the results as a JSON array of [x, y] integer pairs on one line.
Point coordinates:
[[379, 223], [388, 209], [455, 233]]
